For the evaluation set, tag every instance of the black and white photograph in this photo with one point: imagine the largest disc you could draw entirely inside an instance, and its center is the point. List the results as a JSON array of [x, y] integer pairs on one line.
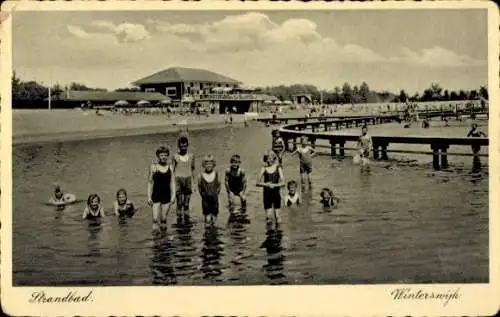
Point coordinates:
[[249, 146]]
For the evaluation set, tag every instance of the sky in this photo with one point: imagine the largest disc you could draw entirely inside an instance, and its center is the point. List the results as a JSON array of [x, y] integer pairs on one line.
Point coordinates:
[[388, 49]]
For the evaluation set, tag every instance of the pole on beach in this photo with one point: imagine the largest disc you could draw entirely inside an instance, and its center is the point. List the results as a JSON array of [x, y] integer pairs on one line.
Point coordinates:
[[50, 98]]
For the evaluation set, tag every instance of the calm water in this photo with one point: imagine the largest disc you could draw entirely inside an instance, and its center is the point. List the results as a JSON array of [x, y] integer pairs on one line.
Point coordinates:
[[399, 222]]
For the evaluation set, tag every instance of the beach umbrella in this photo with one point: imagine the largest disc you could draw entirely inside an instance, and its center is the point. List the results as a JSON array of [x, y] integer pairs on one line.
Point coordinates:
[[268, 102], [287, 102], [121, 103], [165, 102], [143, 103]]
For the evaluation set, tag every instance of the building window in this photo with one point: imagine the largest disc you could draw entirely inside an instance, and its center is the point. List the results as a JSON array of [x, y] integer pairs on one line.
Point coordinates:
[[149, 90], [171, 91]]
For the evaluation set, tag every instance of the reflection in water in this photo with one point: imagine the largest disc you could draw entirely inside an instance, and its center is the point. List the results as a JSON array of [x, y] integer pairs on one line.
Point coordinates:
[[476, 164], [161, 261], [211, 253], [274, 267], [185, 250], [94, 228], [238, 228]]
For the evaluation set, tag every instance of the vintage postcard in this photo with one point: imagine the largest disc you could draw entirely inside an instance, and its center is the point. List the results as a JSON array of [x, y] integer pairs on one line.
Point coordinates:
[[249, 158]]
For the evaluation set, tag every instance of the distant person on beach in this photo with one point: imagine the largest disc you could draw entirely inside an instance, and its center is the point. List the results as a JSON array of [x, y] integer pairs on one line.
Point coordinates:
[[236, 184], [425, 123], [94, 208], [328, 198], [278, 146], [475, 133], [161, 188], [364, 146], [184, 166], [293, 196], [271, 180], [209, 188], [123, 206], [306, 152]]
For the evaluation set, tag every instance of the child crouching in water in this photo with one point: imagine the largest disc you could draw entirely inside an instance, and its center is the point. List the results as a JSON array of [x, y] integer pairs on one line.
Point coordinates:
[[94, 208], [293, 197], [122, 206], [271, 179], [328, 198], [209, 188]]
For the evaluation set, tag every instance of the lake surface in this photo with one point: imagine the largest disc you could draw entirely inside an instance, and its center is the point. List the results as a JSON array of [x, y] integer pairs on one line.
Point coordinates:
[[399, 222]]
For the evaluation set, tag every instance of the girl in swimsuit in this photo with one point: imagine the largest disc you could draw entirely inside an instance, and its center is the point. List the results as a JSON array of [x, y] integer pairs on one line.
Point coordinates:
[[271, 179], [278, 146], [94, 208], [364, 145], [209, 187], [161, 188], [293, 197], [236, 184], [122, 206]]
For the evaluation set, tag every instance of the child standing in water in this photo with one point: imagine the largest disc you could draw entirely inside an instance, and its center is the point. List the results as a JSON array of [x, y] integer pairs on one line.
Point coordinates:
[[293, 196], [183, 165], [161, 187], [209, 188], [475, 133], [94, 208], [306, 153], [122, 206], [278, 146], [236, 184], [364, 145], [271, 179]]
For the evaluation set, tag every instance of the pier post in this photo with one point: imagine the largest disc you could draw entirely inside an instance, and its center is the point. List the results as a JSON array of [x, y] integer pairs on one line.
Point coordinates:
[[313, 127], [435, 156], [326, 127], [341, 148], [383, 152], [333, 148], [356, 123], [312, 140], [444, 156], [336, 126], [375, 151]]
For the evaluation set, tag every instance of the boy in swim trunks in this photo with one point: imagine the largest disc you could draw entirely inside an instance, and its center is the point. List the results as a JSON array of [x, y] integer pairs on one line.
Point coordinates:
[[236, 184], [161, 188], [209, 188], [278, 146], [306, 153], [364, 145], [184, 166], [271, 179]]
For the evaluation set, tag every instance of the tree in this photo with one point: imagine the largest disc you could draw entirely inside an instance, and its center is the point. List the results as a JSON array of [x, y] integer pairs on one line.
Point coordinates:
[[436, 91], [446, 95], [403, 96], [462, 95], [82, 87], [364, 93], [453, 95], [483, 92], [128, 89], [347, 95]]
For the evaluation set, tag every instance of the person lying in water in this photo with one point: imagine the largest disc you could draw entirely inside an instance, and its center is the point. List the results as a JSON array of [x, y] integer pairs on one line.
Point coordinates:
[[61, 198]]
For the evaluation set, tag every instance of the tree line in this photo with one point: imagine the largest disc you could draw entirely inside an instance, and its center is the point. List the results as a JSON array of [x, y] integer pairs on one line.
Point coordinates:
[[31, 94]]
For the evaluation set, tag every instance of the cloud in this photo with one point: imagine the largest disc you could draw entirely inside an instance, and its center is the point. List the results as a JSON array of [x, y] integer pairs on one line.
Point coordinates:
[[123, 33], [435, 57]]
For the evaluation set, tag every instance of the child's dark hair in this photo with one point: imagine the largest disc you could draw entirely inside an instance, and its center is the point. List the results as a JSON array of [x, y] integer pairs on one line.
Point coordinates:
[[91, 197], [235, 158], [161, 150], [121, 191], [291, 183], [182, 140], [326, 190]]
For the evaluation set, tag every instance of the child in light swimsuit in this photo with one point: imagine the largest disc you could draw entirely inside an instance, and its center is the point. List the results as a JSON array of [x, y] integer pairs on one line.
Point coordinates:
[[183, 166], [94, 208], [60, 198], [209, 188], [161, 188], [122, 206], [236, 184], [328, 198], [364, 145], [306, 153], [271, 179], [293, 196]]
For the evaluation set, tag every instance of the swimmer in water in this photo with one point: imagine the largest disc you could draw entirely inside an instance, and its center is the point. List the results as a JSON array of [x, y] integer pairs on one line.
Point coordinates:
[[293, 196], [60, 198], [94, 208], [236, 184], [364, 145], [183, 166], [271, 179], [328, 198], [161, 188], [475, 133], [209, 188], [306, 153], [122, 206]]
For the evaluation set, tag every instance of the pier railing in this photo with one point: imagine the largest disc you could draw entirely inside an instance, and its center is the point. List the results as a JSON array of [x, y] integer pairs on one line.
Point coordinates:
[[292, 133]]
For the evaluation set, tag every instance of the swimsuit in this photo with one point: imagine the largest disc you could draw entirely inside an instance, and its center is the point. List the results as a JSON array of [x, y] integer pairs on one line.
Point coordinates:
[[126, 209], [305, 160], [290, 200], [475, 134], [235, 182], [272, 197], [209, 192], [278, 146], [93, 216], [183, 174], [364, 142], [161, 187]]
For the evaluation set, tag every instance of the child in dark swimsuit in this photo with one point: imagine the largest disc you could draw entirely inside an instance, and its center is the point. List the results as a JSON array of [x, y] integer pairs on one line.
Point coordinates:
[[236, 184], [94, 208], [271, 179], [209, 187], [183, 167], [122, 206], [161, 188], [475, 133], [328, 198], [293, 197], [278, 146]]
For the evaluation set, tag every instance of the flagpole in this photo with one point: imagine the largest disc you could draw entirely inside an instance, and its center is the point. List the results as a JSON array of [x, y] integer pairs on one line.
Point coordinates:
[[50, 98]]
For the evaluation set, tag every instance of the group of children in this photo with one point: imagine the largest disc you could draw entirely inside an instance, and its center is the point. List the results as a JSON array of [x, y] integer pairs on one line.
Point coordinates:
[[170, 182]]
